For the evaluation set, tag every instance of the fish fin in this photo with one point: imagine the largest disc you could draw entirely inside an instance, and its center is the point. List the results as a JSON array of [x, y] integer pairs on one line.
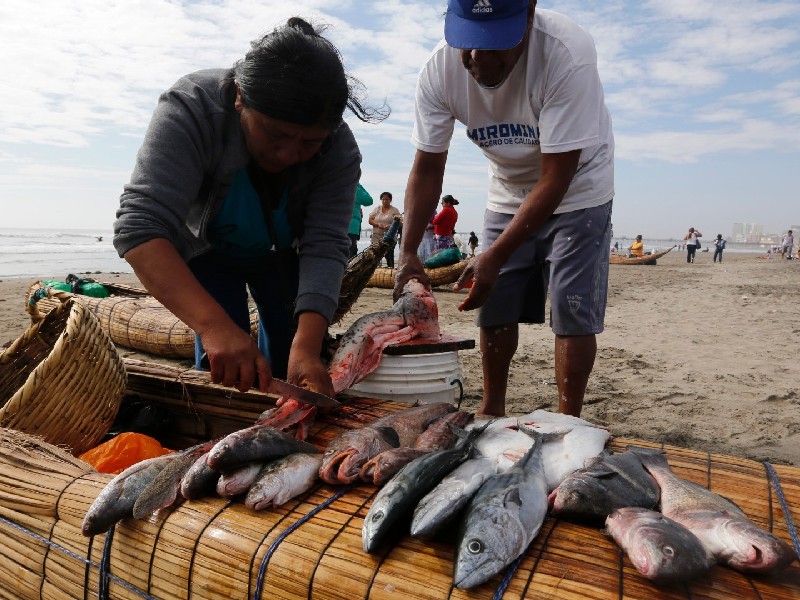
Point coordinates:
[[642, 451], [546, 437], [601, 473]]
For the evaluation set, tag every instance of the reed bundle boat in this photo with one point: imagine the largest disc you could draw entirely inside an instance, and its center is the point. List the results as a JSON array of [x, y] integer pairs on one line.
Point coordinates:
[[311, 547], [647, 259], [383, 277]]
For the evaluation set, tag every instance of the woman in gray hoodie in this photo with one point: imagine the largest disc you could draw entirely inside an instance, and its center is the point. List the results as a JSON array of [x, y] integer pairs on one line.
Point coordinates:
[[246, 180]]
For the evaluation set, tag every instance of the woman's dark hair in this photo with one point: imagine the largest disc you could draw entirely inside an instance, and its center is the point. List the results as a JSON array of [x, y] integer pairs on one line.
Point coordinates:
[[294, 74], [385, 194]]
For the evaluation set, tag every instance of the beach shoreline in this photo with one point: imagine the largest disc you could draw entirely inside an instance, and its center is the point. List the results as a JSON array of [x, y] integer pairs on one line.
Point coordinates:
[[697, 355]]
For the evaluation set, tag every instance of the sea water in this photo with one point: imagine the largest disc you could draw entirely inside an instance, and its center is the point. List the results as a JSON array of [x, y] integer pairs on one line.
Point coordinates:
[[58, 252]]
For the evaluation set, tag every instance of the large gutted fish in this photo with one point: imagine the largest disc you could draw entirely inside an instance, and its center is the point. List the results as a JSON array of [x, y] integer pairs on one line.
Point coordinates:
[[501, 520], [397, 499], [661, 549], [283, 479], [415, 314], [607, 482], [722, 527]]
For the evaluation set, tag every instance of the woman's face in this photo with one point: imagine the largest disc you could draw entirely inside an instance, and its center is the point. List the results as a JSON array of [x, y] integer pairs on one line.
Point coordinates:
[[386, 201], [277, 145]]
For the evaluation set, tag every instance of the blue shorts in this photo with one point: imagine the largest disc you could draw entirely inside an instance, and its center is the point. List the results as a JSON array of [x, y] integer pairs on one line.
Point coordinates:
[[567, 255]]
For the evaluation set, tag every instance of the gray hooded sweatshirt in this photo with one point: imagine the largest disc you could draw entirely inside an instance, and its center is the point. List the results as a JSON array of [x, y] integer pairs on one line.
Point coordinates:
[[193, 147]]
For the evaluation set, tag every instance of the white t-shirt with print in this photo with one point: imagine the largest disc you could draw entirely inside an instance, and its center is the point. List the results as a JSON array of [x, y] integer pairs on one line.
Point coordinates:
[[552, 101]]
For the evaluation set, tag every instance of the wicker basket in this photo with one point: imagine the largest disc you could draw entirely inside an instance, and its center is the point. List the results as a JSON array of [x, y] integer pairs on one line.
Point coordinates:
[[384, 278], [62, 379]]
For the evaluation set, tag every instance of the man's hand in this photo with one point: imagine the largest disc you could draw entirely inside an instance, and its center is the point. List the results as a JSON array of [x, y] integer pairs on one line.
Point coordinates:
[[235, 359], [410, 268], [483, 271]]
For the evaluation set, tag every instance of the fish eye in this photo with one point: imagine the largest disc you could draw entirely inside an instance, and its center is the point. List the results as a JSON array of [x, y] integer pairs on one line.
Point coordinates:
[[474, 547], [377, 516], [668, 551]]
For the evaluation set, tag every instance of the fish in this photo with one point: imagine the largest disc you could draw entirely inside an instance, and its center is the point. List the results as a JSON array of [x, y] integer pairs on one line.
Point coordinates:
[[661, 549], [239, 480], [502, 519], [396, 500], [381, 468], [415, 314], [200, 480], [253, 444], [440, 435], [444, 502], [287, 413], [722, 527], [165, 487], [606, 483], [347, 453], [281, 480], [115, 502]]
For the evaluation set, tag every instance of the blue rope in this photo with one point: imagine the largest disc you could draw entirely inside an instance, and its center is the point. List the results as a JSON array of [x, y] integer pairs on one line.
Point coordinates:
[[105, 559], [512, 568], [262, 569], [55, 546], [773, 477]]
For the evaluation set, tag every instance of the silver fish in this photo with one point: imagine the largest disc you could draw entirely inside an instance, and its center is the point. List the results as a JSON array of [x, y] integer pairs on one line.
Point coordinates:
[[444, 502], [722, 527], [608, 482], [661, 549], [501, 520], [200, 480], [283, 479], [239, 480], [116, 500], [253, 444], [165, 487], [397, 499]]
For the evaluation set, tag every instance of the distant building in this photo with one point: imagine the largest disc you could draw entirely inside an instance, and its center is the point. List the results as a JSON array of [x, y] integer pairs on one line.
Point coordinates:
[[748, 233]]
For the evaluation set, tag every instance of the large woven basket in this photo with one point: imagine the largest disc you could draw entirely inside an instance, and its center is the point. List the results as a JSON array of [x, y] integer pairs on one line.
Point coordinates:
[[62, 379], [384, 278]]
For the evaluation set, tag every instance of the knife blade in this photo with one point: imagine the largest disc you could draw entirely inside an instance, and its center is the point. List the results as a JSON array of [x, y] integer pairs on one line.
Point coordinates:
[[284, 388]]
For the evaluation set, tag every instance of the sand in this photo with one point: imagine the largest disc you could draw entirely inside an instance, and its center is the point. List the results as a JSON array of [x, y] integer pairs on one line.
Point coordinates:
[[702, 356]]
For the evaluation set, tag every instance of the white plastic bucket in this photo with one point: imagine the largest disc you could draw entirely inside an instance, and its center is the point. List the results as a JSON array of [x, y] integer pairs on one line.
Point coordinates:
[[423, 378]]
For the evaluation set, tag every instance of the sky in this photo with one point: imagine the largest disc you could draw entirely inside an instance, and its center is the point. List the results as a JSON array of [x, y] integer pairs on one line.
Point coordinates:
[[704, 97]]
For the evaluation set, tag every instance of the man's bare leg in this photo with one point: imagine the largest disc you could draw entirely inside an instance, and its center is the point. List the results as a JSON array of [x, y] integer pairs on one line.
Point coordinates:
[[498, 345], [574, 361]]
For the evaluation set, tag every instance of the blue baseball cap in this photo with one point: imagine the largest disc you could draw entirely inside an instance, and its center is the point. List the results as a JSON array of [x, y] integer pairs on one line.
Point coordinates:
[[485, 24]]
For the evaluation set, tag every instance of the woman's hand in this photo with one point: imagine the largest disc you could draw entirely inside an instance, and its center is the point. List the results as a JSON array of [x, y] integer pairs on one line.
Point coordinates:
[[234, 358], [305, 365]]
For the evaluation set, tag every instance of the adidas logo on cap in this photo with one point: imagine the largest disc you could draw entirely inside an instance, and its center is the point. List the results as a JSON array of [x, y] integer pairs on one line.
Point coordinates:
[[482, 6]]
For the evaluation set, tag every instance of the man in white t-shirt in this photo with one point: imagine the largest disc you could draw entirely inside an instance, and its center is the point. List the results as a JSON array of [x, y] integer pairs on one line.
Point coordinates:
[[524, 83]]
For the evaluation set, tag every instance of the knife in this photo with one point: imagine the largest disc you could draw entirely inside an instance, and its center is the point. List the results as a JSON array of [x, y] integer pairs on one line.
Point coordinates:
[[284, 388]]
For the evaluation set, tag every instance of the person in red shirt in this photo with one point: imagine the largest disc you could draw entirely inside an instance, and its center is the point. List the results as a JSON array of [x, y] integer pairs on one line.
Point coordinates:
[[444, 223]]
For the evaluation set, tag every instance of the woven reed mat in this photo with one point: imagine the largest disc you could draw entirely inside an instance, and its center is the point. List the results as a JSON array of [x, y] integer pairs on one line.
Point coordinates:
[[384, 277], [311, 547]]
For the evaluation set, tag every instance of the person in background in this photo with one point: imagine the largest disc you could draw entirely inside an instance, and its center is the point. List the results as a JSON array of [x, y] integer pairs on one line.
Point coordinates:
[[381, 218], [692, 243], [787, 244], [428, 244], [354, 233], [473, 243], [444, 223], [719, 246], [524, 83], [637, 247], [245, 180]]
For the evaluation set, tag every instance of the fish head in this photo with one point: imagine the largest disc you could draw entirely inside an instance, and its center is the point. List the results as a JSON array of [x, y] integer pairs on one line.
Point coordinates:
[[752, 549], [489, 543], [578, 495], [373, 529]]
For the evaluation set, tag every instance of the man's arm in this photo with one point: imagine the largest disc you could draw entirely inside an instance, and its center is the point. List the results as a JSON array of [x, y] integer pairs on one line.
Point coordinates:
[[422, 195], [538, 206]]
